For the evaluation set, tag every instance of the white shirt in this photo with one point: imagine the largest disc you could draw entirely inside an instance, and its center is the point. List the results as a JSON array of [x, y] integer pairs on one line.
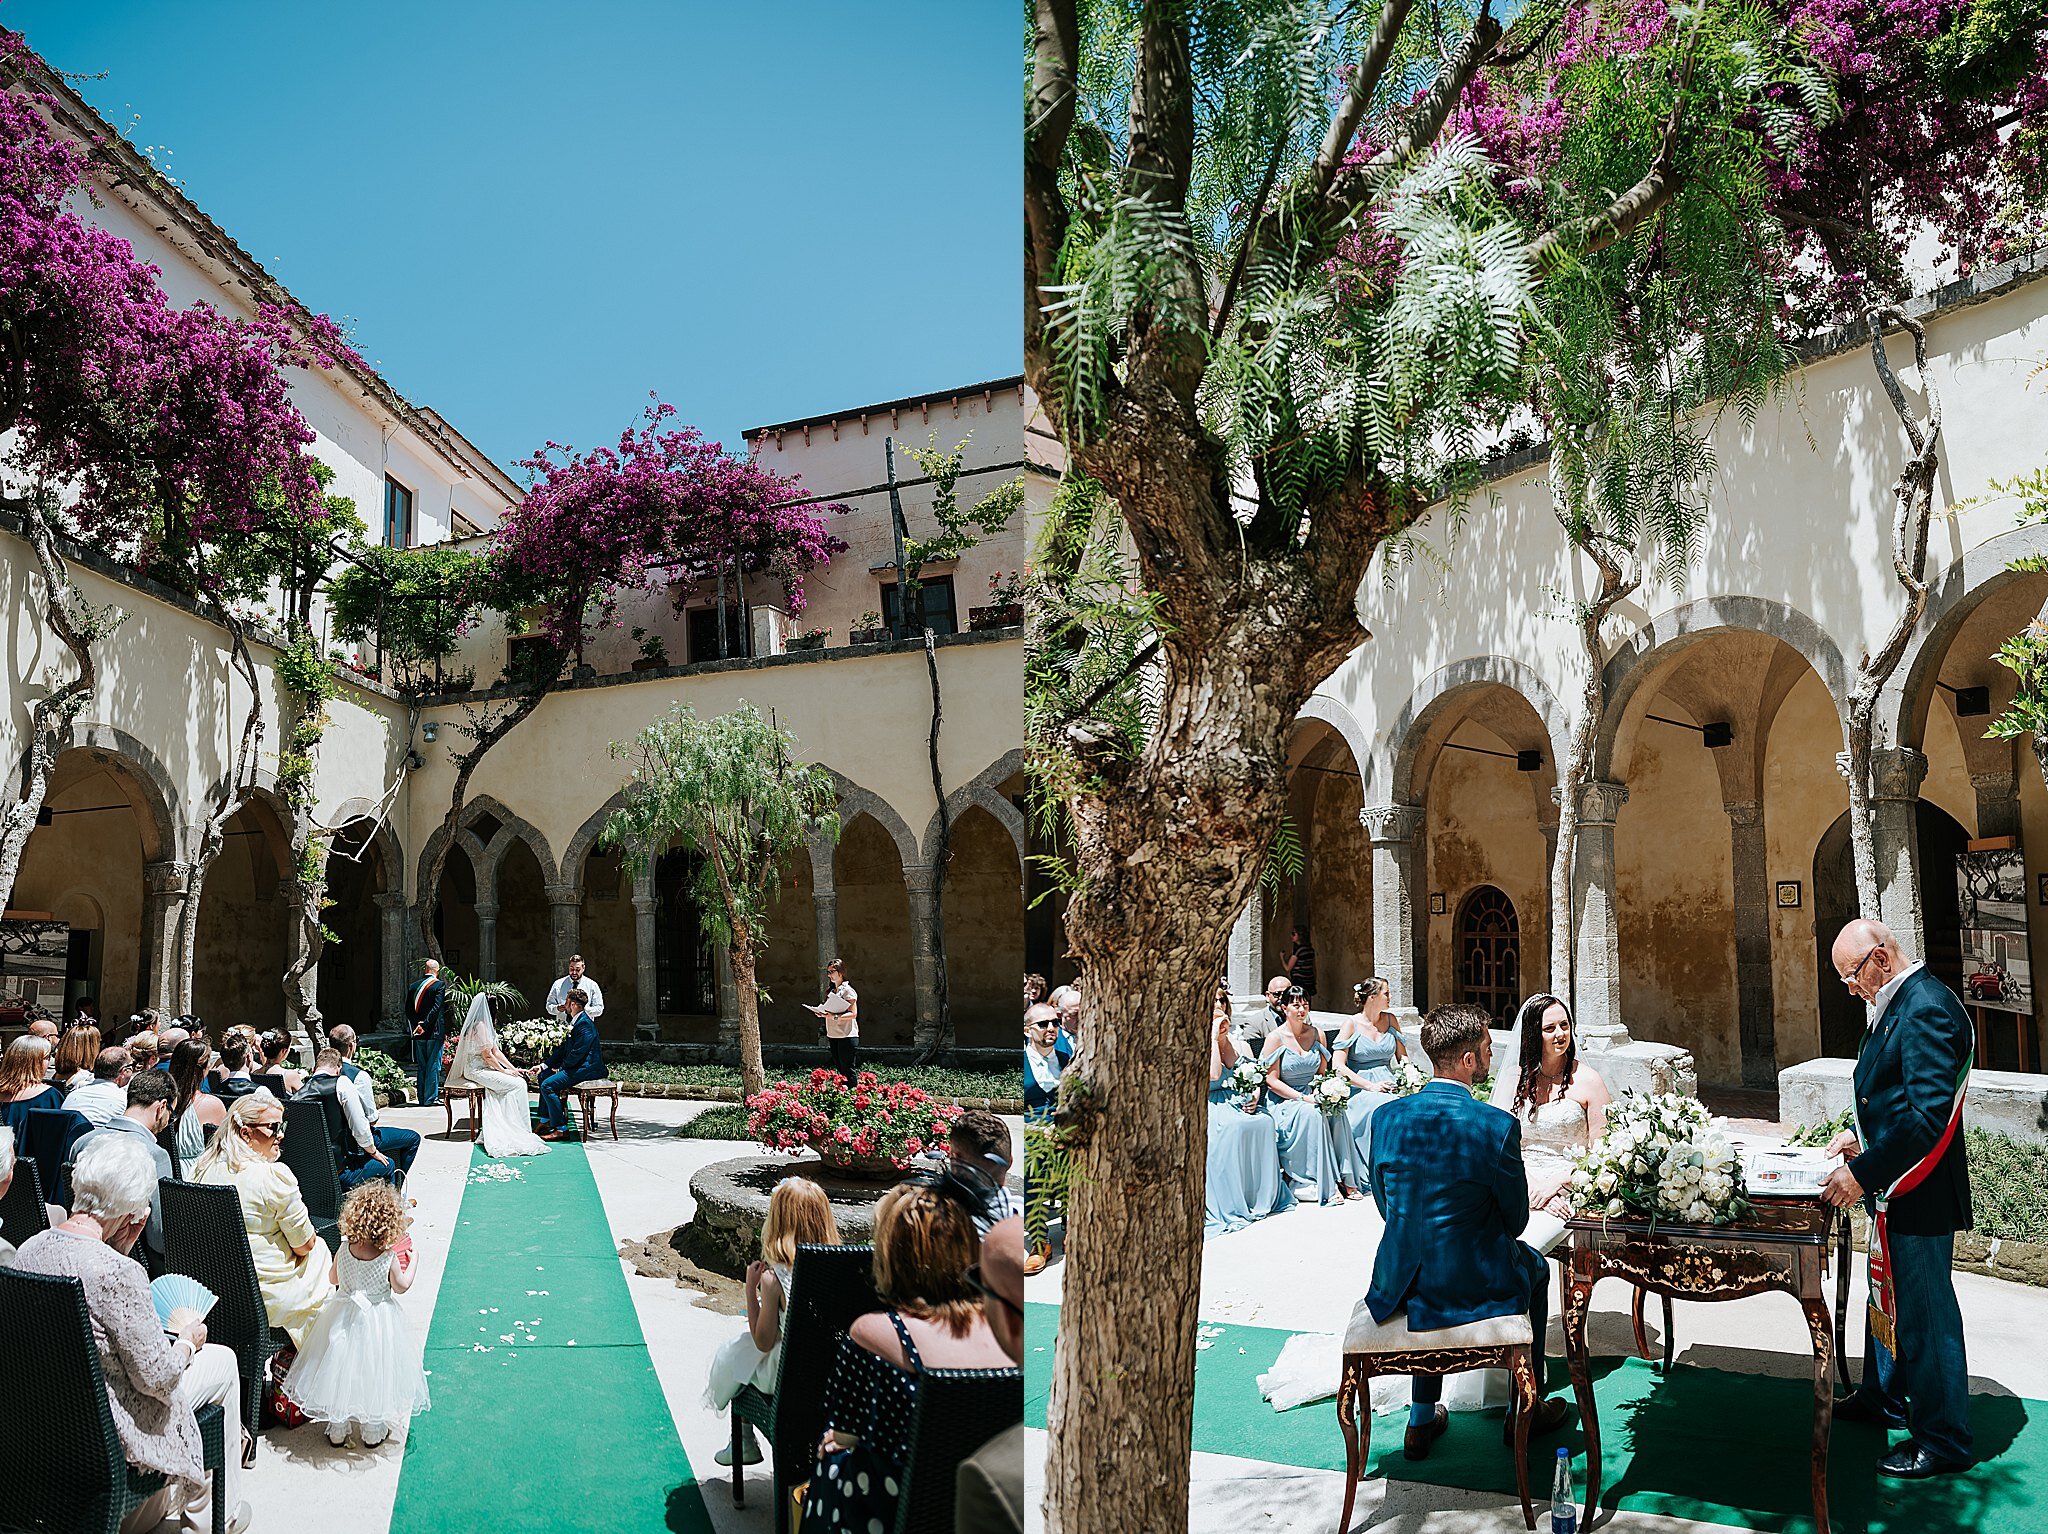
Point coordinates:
[[364, 1088], [593, 997], [1887, 991], [841, 1021], [1045, 1068], [100, 1101], [352, 1109]]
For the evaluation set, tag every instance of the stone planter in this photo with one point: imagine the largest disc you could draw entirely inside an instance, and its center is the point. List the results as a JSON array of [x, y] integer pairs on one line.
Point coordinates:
[[799, 642], [1004, 615], [868, 636], [650, 663], [861, 1168]]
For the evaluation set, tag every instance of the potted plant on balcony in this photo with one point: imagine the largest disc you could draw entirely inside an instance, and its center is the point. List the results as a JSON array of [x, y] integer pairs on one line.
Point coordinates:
[[869, 630], [653, 650], [810, 639], [1005, 606]]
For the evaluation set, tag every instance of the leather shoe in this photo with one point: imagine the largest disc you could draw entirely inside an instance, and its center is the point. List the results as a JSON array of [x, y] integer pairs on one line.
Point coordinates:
[[1912, 1461], [1416, 1441], [1859, 1407], [1549, 1418]]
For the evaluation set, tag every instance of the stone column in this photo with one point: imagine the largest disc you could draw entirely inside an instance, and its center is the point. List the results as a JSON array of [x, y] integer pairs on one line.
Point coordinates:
[[728, 1004], [923, 886], [1597, 943], [165, 885], [391, 981], [1553, 982], [1998, 803], [1391, 829], [565, 902], [824, 909], [1755, 1006], [486, 939], [1242, 966], [1896, 773], [647, 1024]]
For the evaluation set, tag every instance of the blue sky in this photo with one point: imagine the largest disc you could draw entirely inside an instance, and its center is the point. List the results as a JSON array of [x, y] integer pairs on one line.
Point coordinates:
[[530, 214]]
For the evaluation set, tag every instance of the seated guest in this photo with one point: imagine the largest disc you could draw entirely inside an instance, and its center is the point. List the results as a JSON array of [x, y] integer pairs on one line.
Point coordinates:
[[1316, 1148], [155, 1382], [277, 1048], [1244, 1181], [988, 1488], [6, 1182], [1047, 1054], [799, 1214], [142, 1051], [234, 1080], [101, 1099], [145, 1116], [924, 1245], [293, 1265], [1447, 1176], [76, 1051], [979, 1144], [194, 1110], [23, 1066], [401, 1145], [356, 1157], [43, 1028], [85, 1013], [1070, 1017], [1365, 1051], [577, 1058], [1034, 991], [168, 1039]]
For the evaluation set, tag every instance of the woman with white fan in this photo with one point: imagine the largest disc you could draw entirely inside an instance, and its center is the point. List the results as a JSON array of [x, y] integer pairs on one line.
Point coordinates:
[[157, 1374], [481, 1061]]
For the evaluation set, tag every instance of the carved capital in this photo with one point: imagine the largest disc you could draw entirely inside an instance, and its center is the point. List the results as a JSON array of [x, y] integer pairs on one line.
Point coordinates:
[[1391, 822], [1745, 813], [390, 900], [1600, 802], [167, 878], [1896, 772], [486, 910], [565, 894], [920, 879], [645, 905]]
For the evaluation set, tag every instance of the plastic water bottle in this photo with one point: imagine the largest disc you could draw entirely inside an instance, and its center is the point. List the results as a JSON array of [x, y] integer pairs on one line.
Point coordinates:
[[1564, 1506]]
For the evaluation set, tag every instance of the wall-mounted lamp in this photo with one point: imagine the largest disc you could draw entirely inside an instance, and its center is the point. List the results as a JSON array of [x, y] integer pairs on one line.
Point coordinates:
[[429, 730], [1970, 702]]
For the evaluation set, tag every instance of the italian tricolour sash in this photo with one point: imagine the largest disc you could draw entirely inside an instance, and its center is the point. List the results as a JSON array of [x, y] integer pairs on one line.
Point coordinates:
[[1884, 1316]]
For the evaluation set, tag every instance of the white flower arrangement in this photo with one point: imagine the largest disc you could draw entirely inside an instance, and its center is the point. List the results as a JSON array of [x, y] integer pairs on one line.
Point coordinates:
[[531, 1038], [1247, 1076], [1331, 1093], [1661, 1157], [1408, 1077]]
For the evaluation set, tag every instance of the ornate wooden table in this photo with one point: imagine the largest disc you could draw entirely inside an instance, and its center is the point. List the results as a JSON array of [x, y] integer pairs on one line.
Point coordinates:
[[1781, 1245]]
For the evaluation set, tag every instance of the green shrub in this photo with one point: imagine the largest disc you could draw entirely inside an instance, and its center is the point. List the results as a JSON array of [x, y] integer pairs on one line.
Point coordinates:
[[727, 1121], [2008, 1186], [936, 1080], [386, 1072]]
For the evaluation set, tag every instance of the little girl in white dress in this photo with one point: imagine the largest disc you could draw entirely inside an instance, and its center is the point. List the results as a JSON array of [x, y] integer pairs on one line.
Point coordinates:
[[359, 1365], [799, 1214]]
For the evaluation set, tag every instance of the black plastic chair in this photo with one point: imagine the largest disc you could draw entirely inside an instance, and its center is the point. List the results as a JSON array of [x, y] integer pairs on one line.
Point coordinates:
[[65, 1472], [831, 1287], [310, 1155], [276, 1082], [22, 1211], [204, 1238], [47, 1140], [957, 1411]]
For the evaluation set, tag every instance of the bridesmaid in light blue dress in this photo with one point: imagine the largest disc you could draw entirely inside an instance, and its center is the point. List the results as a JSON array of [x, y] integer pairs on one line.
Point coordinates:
[[1316, 1149], [1244, 1181], [1366, 1050]]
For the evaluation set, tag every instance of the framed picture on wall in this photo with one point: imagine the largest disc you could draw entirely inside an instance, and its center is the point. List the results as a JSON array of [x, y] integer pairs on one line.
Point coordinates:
[[1991, 887], [1436, 902], [1788, 894]]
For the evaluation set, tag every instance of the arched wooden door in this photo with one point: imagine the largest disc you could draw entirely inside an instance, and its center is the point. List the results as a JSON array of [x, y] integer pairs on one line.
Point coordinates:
[[1489, 948]]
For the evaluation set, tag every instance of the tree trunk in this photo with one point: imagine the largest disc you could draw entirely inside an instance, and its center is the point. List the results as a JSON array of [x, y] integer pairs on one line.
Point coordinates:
[[1578, 763], [1912, 507], [50, 716], [939, 1043], [227, 803], [753, 1072]]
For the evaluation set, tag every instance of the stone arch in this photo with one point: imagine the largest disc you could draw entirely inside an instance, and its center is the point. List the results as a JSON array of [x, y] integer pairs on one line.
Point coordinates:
[[1390, 769], [485, 856], [159, 812], [1651, 648], [1329, 711], [390, 859], [855, 801], [586, 838], [1955, 594], [980, 791]]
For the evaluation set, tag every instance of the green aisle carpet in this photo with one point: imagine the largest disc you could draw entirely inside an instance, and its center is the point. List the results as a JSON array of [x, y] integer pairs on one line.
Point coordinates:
[[1702, 1443], [547, 1415]]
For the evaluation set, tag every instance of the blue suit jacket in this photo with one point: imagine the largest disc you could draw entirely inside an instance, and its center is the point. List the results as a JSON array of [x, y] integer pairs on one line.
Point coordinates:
[[1905, 1085], [1447, 1175], [578, 1055]]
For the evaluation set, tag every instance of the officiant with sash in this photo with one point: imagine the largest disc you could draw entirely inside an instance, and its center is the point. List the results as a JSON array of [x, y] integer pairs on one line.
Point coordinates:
[[578, 979], [428, 1010], [1908, 1167]]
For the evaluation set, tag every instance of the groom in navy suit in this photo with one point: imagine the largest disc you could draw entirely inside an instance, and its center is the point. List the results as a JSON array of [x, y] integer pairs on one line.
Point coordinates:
[[1447, 1175], [577, 1058]]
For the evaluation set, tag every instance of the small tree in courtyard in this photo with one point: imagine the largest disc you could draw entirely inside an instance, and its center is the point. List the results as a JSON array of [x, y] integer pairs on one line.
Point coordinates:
[[730, 790]]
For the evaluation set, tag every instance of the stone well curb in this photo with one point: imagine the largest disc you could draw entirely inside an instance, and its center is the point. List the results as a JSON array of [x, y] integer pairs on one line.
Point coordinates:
[[2017, 1262], [1012, 1106]]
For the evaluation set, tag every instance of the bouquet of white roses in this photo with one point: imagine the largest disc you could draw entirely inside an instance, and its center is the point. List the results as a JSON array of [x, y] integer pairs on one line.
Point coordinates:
[[529, 1040], [1660, 1156], [1408, 1077], [1246, 1076], [1331, 1093]]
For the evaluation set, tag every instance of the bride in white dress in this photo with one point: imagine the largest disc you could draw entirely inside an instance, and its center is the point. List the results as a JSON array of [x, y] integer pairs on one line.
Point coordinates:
[[479, 1061], [1561, 1101]]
